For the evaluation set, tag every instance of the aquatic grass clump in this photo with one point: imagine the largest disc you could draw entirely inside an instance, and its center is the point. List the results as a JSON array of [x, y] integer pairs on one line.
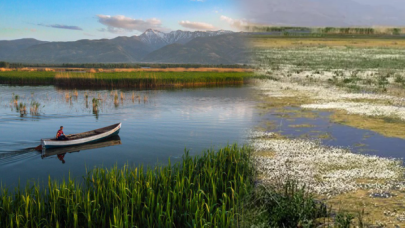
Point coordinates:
[[34, 108], [22, 108], [15, 99], [96, 104], [116, 102], [202, 191]]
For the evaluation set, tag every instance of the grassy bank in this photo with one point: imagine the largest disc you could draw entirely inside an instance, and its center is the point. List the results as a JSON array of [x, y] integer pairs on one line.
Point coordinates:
[[197, 192], [139, 79]]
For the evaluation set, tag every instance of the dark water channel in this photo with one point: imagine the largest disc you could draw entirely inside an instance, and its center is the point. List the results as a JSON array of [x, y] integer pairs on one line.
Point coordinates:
[[156, 125]]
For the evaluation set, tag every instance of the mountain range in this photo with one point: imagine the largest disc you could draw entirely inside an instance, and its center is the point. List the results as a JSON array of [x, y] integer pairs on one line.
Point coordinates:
[[326, 12], [211, 47]]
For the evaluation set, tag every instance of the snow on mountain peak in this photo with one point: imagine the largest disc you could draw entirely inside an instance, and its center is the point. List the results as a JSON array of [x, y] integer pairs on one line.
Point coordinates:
[[159, 39]]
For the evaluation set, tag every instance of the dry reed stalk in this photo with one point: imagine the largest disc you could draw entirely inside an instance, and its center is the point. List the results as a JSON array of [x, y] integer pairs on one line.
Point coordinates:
[[133, 97], [26, 69], [73, 76], [67, 96], [122, 96], [116, 103], [75, 93], [45, 69], [145, 99]]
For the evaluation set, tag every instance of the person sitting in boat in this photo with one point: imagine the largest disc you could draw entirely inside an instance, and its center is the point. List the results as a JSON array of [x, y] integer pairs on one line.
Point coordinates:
[[60, 135]]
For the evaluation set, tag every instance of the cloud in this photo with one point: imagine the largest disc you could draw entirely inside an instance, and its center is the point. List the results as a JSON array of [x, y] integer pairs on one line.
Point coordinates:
[[122, 24], [88, 34], [196, 25], [236, 23], [62, 26]]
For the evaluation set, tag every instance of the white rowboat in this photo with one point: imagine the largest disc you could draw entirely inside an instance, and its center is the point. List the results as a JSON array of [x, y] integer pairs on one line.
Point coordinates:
[[82, 138]]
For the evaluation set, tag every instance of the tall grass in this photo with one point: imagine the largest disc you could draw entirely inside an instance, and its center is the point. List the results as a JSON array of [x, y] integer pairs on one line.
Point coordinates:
[[286, 205], [204, 191], [138, 79], [150, 79]]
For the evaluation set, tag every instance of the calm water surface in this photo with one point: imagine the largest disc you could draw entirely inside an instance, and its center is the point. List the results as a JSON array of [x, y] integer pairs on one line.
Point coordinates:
[[156, 125]]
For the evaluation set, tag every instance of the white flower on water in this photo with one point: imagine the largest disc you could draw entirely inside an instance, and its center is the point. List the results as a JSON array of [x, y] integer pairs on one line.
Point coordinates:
[[362, 109], [323, 170]]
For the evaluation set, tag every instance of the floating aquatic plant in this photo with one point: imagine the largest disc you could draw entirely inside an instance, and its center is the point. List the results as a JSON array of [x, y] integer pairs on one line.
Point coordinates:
[[323, 170]]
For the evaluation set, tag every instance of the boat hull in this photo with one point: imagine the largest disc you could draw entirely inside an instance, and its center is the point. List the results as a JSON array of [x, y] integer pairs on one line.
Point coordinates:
[[46, 143]]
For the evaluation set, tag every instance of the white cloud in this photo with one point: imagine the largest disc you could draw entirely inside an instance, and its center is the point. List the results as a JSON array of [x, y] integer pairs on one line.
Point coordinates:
[[122, 24], [196, 25], [236, 23]]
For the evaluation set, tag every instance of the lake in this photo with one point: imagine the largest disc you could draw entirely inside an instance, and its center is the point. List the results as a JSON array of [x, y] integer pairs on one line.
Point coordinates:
[[156, 125]]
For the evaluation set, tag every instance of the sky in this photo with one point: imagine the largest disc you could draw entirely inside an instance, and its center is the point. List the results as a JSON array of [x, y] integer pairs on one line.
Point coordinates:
[[320, 13], [56, 20]]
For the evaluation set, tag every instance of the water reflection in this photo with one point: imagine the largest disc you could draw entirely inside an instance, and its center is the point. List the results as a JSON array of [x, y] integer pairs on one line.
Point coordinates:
[[61, 152]]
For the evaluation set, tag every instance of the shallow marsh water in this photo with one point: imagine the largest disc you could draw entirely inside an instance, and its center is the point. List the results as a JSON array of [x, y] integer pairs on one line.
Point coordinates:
[[317, 125], [157, 125]]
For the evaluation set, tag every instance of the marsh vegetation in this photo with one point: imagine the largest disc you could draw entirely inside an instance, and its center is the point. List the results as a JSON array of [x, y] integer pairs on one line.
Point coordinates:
[[359, 81], [127, 78]]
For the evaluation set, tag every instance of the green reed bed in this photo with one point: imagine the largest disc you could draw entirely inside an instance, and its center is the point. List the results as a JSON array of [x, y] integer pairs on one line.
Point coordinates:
[[203, 191], [27, 77], [140, 79], [151, 79]]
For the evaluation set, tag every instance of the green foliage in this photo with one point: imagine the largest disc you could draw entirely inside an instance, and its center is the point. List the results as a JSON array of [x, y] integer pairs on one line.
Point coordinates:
[[288, 206], [344, 220], [203, 191], [4, 64], [27, 77]]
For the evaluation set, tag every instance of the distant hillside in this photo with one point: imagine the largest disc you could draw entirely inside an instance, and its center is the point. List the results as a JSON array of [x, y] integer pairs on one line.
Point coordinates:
[[9, 47], [219, 47], [224, 49]]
